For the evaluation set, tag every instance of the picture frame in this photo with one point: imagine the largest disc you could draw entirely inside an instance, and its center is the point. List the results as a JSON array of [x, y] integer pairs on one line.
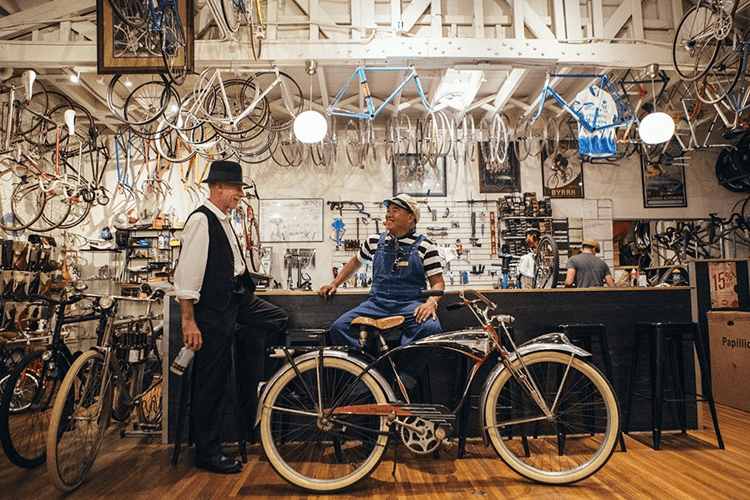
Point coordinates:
[[505, 179], [291, 220], [564, 180], [663, 184], [124, 49], [415, 179]]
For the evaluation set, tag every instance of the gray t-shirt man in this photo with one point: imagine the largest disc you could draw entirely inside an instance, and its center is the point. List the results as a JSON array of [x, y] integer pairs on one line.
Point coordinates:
[[586, 270]]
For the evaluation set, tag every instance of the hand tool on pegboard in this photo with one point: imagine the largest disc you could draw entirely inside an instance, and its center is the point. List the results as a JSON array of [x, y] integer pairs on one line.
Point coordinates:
[[493, 237]]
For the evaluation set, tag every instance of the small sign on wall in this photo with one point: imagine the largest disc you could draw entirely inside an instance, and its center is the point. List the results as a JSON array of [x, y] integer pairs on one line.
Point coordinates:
[[723, 280]]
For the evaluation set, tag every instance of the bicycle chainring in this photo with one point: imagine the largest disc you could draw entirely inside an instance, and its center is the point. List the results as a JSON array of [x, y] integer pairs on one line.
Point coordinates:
[[421, 441], [723, 25]]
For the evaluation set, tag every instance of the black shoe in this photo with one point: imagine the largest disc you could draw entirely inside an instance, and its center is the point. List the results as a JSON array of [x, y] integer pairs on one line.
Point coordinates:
[[220, 464]]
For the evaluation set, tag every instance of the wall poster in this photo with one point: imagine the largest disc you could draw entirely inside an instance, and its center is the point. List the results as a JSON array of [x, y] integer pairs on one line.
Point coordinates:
[[291, 220], [562, 175], [663, 184], [493, 178], [723, 278]]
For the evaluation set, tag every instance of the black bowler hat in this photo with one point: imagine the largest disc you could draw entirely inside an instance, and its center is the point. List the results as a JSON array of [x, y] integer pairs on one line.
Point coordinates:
[[229, 172]]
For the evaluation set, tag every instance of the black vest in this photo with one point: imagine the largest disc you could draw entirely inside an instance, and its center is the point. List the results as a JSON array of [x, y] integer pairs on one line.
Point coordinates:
[[218, 285]]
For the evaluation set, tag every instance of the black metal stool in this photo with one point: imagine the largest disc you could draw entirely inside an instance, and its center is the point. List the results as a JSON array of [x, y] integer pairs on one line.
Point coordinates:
[[584, 335], [669, 337], [185, 411]]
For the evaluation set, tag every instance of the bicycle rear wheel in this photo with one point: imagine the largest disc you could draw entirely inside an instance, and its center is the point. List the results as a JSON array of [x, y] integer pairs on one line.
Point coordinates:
[[79, 418], [547, 263], [308, 439], [695, 44], [576, 441], [33, 386]]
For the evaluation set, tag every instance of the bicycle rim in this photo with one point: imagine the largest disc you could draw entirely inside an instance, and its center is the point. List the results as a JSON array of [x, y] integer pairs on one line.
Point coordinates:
[[24, 433], [547, 263], [313, 448], [149, 383], [79, 418], [26, 203], [694, 46], [232, 14], [582, 433], [173, 45]]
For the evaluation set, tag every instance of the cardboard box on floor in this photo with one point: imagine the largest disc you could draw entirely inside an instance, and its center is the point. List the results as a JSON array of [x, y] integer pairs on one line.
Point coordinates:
[[729, 342]]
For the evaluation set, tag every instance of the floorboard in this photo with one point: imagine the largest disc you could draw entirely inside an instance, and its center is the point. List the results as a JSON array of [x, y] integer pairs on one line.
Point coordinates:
[[687, 467]]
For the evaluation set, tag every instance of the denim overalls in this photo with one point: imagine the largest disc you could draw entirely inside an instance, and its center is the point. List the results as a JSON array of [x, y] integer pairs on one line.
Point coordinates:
[[397, 282]]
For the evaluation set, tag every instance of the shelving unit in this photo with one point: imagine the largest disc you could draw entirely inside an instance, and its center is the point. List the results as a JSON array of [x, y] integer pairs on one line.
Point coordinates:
[[149, 256]]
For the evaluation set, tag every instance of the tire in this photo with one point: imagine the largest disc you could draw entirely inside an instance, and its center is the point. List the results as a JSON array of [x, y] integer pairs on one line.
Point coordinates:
[[22, 198], [694, 46], [149, 379], [141, 106], [547, 263], [79, 418], [173, 45], [132, 12], [24, 434], [537, 447], [254, 250], [232, 14], [311, 448]]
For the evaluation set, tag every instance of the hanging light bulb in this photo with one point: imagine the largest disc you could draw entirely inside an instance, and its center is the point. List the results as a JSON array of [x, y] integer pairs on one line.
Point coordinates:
[[657, 127], [310, 126]]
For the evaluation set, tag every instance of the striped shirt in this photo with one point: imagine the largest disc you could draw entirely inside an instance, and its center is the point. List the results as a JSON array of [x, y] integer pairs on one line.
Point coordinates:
[[427, 251]]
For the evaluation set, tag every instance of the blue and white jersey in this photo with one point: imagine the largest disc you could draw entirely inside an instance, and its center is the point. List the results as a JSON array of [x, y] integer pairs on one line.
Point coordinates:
[[598, 110]]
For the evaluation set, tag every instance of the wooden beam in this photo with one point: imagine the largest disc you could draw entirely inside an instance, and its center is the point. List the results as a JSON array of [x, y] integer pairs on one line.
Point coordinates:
[[33, 18]]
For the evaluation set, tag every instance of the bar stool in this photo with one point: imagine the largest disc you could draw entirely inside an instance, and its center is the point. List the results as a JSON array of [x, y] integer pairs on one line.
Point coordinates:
[[185, 410], [584, 335], [669, 337]]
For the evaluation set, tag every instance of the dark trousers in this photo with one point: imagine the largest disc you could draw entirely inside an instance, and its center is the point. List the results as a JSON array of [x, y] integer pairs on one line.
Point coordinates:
[[260, 320]]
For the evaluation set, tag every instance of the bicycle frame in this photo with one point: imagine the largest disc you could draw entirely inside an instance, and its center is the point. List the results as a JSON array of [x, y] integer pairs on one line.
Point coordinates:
[[361, 74]]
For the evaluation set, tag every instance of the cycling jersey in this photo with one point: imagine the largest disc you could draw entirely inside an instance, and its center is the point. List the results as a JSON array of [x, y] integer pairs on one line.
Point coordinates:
[[598, 110]]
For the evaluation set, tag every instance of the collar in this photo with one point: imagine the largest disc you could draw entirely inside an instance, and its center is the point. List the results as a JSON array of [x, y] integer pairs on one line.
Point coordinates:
[[393, 241], [218, 213]]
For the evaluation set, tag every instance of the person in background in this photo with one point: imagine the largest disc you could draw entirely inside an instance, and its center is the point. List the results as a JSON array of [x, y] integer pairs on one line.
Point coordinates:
[[526, 265], [215, 291], [586, 270], [402, 264]]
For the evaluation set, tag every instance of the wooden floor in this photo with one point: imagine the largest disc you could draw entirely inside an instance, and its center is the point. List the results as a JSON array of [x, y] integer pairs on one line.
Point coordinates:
[[687, 467]]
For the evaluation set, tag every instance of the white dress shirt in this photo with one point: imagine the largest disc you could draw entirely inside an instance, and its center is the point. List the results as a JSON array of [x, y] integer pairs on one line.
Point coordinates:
[[188, 276]]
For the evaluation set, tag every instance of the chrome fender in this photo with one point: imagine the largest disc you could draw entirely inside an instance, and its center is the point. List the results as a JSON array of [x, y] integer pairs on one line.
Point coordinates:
[[327, 353], [547, 342]]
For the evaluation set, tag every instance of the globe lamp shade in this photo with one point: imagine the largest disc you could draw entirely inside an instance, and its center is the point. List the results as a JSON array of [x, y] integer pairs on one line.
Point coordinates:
[[310, 127], [656, 128]]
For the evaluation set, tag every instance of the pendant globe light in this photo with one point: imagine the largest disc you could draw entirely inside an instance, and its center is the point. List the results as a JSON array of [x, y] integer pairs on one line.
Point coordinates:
[[656, 127], [310, 126]]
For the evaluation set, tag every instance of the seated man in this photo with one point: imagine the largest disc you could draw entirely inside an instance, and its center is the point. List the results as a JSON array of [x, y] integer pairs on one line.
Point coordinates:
[[401, 259]]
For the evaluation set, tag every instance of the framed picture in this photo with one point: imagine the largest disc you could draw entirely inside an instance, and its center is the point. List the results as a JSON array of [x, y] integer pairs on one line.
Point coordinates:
[[415, 179], [122, 48], [493, 178], [291, 220], [663, 184], [562, 176]]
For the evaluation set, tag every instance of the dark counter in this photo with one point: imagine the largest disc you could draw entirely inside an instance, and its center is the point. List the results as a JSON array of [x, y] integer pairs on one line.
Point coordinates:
[[535, 310]]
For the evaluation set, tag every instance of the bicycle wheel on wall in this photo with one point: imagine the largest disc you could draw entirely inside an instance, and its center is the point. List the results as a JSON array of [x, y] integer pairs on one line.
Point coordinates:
[[695, 45], [132, 12], [321, 448], [173, 45], [79, 418], [581, 434]]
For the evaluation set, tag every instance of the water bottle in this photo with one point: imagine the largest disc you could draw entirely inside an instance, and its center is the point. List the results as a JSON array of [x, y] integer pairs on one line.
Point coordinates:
[[181, 361]]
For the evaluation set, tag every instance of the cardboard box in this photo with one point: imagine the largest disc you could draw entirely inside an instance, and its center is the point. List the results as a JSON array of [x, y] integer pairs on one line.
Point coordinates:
[[729, 342]]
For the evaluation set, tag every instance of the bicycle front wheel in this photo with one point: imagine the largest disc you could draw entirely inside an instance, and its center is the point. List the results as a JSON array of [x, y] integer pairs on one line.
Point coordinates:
[[173, 45], [547, 263], [308, 439], [79, 418], [26, 407], [579, 437], [695, 44]]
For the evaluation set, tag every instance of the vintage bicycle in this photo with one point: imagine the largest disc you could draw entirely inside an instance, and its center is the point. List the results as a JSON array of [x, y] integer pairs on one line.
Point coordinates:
[[122, 372], [327, 416]]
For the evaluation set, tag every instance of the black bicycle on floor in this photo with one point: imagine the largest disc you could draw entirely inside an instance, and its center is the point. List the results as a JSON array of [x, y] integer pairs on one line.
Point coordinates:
[[328, 414]]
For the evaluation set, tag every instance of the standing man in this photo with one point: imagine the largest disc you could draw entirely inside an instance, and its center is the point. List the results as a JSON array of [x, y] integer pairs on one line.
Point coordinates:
[[215, 291], [526, 265], [402, 262], [586, 270]]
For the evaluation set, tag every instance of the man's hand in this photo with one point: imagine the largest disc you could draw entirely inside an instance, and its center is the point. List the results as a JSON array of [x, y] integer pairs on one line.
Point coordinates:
[[191, 335], [327, 290], [426, 311]]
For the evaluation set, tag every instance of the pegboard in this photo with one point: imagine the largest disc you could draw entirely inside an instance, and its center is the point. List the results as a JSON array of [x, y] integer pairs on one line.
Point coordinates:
[[447, 223]]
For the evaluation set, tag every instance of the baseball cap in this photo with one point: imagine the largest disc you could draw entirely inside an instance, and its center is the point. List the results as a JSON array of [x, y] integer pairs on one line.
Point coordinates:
[[406, 202], [591, 242]]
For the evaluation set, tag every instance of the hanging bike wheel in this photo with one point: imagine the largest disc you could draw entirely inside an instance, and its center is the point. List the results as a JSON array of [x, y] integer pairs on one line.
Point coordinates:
[[173, 45], [695, 45], [134, 13]]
